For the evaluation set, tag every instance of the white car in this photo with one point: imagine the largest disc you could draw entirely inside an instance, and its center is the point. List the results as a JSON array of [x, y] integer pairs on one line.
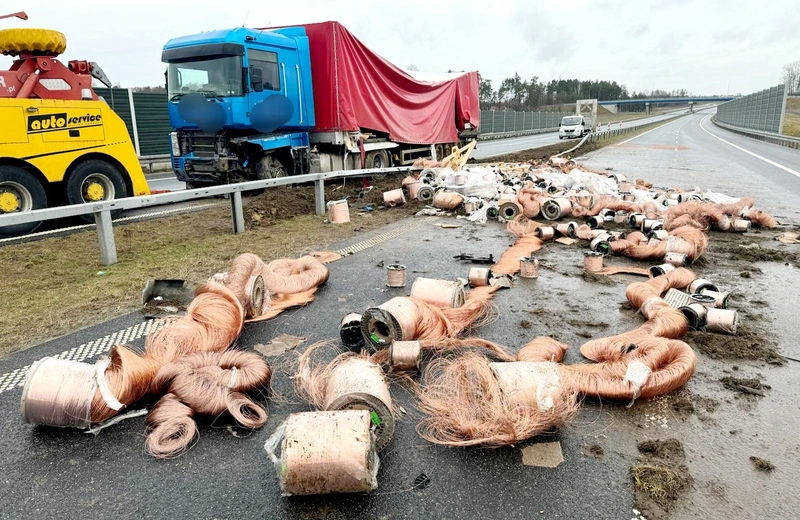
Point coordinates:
[[573, 126]]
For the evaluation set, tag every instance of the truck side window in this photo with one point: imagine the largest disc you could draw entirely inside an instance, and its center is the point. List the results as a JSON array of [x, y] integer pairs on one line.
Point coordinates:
[[268, 62]]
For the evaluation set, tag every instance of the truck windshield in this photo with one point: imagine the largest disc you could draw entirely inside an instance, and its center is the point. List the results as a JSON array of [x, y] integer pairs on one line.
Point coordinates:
[[570, 121], [213, 77]]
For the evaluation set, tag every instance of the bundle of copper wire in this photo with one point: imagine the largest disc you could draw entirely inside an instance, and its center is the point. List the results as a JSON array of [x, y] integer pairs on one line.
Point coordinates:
[[447, 200], [469, 401], [289, 282], [206, 383], [527, 243], [663, 320], [531, 201]]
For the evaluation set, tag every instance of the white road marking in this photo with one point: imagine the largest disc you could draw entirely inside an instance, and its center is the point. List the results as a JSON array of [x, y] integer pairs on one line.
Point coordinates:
[[644, 133], [748, 152]]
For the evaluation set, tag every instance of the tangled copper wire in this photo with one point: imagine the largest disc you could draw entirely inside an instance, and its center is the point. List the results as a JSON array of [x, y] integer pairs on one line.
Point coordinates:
[[206, 383]]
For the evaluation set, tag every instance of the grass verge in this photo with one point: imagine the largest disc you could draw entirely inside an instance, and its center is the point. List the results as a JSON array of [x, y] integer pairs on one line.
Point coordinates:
[[57, 285], [791, 119]]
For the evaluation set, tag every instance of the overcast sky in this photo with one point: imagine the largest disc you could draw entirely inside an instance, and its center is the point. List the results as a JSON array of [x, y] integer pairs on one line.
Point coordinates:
[[701, 46]]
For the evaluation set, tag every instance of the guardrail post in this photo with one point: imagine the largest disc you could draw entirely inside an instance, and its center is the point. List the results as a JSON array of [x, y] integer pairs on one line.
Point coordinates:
[[319, 192], [105, 237], [236, 212]]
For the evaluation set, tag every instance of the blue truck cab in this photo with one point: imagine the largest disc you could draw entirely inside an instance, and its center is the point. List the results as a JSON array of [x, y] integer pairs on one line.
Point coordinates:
[[241, 103]]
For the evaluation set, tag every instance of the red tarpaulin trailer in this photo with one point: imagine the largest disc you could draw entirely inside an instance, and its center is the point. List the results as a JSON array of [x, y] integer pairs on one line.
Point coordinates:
[[354, 88]]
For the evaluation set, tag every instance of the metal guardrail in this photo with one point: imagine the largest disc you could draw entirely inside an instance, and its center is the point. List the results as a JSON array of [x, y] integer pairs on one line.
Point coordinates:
[[769, 137], [102, 210]]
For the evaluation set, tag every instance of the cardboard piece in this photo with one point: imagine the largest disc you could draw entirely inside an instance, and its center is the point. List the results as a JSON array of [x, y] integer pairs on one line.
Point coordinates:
[[543, 454]]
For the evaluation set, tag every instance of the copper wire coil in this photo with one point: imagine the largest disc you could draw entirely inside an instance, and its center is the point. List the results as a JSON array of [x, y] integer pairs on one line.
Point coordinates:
[[676, 259], [392, 320], [447, 200], [524, 383], [660, 270], [704, 300], [59, 392], [425, 193], [567, 229], [510, 209], [393, 198], [593, 261], [596, 222], [555, 208], [395, 275], [405, 355], [545, 233], [695, 314], [350, 331], [441, 293], [724, 321], [741, 225], [601, 245], [699, 284], [720, 298], [621, 217], [629, 197], [413, 189], [328, 452], [652, 224], [653, 242], [529, 267], [625, 187], [359, 384], [636, 219], [254, 306], [479, 276], [338, 211], [608, 215], [660, 234]]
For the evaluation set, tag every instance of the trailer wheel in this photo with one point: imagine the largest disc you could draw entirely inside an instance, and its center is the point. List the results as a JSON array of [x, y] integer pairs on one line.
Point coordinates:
[[95, 181], [19, 191], [378, 159]]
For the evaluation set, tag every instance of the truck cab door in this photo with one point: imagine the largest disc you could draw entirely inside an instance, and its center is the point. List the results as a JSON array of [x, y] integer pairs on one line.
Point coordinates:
[[269, 77]]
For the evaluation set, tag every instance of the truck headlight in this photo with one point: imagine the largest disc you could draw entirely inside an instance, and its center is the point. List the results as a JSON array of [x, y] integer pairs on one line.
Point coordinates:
[[176, 147]]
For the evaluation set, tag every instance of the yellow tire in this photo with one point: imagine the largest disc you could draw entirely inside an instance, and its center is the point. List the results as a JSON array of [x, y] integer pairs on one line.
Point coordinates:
[[37, 41]]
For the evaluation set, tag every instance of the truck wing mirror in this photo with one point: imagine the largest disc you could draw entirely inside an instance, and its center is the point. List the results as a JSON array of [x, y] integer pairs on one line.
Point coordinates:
[[257, 79]]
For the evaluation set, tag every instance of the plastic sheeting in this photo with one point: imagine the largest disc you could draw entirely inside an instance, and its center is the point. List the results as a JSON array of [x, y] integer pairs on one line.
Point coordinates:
[[354, 88]]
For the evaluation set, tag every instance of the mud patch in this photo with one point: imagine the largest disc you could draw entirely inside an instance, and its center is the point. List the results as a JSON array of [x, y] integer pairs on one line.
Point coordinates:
[[592, 324], [748, 343], [595, 451], [287, 202], [744, 385], [762, 464], [599, 279], [660, 477]]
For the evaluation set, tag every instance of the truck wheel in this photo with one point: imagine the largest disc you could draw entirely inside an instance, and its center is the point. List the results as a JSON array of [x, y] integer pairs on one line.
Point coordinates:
[[19, 191], [95, 181]]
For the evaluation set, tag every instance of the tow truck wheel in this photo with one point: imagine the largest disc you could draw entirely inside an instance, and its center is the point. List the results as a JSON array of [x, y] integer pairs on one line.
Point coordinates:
[[19, 191], [95, 181]]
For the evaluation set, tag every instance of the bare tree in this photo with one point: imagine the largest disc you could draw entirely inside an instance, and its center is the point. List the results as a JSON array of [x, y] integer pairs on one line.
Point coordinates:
[[411, 66], [790, 76]]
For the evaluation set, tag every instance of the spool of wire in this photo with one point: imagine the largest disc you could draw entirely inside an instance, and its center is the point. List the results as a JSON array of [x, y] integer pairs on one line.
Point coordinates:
[[545, 232], [338, 211], [425, 193], [393, 198], [442, 293], [350, 331], [479, 276], [529, 267], [593, 261], [396, 275]]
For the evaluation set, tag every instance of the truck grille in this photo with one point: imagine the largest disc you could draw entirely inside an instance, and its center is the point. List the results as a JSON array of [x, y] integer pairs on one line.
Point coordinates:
[[202, 144]]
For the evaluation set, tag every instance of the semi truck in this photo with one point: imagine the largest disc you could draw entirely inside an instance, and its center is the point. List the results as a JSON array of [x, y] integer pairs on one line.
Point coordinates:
[[251, 104], [59, 143]]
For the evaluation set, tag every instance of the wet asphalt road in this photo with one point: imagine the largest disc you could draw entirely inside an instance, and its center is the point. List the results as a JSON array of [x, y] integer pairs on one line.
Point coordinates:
[[54, 473]]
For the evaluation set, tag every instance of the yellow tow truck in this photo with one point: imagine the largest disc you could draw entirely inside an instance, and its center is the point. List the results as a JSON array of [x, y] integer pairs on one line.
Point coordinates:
[[59, 142]]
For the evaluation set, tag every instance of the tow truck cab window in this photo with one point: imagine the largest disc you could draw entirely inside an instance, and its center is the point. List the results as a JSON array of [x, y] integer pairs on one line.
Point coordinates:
[[268, 63]]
